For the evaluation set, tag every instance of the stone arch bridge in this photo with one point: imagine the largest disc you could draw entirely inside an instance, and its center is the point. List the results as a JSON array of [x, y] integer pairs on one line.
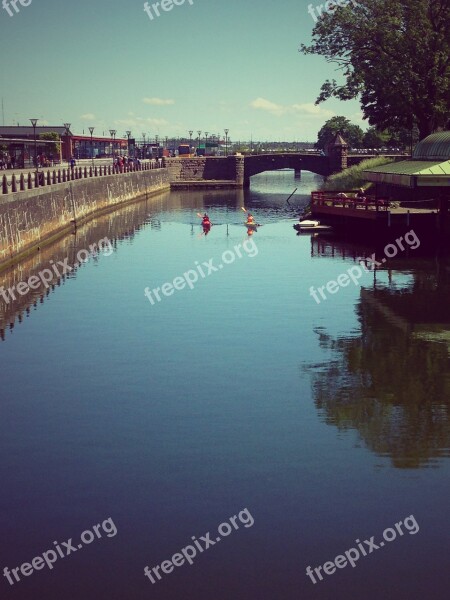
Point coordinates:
[[236, 171]]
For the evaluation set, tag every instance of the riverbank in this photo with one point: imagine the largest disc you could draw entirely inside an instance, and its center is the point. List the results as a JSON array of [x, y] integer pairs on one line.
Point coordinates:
[[32, 218]]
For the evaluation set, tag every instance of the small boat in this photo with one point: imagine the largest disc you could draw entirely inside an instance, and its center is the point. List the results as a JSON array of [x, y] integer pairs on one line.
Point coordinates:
[[308, 225], [252, 224]]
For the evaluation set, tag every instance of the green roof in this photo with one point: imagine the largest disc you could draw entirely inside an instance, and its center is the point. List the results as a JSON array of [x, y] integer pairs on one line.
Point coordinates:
[[434, 147], [412, 173]]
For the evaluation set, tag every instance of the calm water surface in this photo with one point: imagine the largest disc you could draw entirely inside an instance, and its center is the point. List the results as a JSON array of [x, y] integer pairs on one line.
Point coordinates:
[[328, 422]]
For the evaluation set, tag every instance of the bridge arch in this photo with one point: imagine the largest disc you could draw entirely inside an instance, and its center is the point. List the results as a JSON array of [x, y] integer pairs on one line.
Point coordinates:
[[253, 165]]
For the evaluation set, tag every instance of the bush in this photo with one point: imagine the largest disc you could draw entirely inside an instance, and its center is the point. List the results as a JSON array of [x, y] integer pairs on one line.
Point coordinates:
[[352, 178]]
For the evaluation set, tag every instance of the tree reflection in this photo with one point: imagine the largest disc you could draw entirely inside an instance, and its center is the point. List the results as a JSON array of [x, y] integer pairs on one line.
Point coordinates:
[[387, 382]]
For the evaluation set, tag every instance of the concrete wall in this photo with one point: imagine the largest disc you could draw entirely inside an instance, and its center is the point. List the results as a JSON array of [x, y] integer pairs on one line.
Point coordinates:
[[29, 218]]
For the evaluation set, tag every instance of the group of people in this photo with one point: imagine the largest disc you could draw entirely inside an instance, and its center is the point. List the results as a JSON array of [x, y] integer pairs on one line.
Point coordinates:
[[126, 161], [7, 161]]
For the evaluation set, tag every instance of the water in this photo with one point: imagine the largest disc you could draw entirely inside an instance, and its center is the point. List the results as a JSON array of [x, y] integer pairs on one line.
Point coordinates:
[[328, 422]]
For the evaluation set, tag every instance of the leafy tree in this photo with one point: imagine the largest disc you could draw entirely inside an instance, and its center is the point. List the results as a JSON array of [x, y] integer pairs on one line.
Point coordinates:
[[394, 56], [353, 134], [51, 148], [375, 139]]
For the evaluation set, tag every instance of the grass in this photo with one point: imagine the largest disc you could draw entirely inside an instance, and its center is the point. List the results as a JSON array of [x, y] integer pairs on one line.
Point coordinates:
[[352, 178]]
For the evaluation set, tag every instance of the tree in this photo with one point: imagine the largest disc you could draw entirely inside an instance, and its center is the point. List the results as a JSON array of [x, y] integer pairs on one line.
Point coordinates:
[[353, 134], [51, 148], [394, 57], [375, 139]]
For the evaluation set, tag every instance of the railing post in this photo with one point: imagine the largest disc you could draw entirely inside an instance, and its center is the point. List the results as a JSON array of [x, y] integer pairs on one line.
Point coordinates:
[[49, 178], [64, 176], [4, 185], [85, 173], [59, 175], [22, 182], [36, 179], [30, 182], [54, 176]]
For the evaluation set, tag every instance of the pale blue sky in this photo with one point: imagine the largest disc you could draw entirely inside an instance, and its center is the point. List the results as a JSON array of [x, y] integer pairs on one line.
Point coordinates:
[[210, 65]]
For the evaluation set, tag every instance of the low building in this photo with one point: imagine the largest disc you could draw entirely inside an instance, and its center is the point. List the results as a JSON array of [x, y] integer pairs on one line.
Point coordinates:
[[425, 177], [21, 145]]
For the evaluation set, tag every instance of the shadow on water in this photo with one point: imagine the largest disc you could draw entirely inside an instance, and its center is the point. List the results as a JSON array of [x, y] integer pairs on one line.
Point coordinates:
[[390, 381]]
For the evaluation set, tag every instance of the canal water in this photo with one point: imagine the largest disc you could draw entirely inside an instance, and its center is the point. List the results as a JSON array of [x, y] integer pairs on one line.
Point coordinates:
[[237, 418]]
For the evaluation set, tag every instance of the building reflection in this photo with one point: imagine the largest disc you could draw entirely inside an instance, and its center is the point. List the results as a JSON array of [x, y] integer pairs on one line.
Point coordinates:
[[391, 380]]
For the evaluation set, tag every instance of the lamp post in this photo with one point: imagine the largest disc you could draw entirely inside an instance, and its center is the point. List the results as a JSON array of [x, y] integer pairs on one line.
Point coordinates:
[[190, 139], [199, 134], [69, 149], [33, 122], [143, 147], [112, 133], [226, 141], [206, 142], [91, 129], [128, 142]]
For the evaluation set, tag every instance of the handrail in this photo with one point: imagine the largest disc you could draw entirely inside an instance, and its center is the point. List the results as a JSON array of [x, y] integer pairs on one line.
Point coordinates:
[[325, 198], [38, 179]]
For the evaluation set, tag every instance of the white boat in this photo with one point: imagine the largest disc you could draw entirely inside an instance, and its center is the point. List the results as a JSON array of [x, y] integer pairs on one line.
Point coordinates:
[[307, 225]]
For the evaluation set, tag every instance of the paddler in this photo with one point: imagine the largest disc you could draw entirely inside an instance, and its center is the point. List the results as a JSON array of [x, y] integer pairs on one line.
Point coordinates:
[[250, 219], [206, 222]]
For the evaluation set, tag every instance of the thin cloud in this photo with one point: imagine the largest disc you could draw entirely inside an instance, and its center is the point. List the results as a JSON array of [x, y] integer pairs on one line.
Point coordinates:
[[267, 105], [312, 110], [158, 101], [87, 117], [308, 109]]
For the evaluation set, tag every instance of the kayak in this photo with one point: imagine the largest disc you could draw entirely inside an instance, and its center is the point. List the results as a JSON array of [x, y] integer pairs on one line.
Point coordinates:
[[252, 225], [206, 224]]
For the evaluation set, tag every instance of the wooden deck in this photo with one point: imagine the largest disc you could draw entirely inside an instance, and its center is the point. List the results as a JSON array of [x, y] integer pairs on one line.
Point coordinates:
[[339, 204]]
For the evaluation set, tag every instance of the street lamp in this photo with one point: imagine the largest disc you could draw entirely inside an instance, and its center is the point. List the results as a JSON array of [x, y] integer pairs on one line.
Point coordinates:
[[33, 122], [199, 134], [128, 143], [226, 141], [91, 129], [206, 142], [112, 133], [69, 149], [190, 140], [143, 147]]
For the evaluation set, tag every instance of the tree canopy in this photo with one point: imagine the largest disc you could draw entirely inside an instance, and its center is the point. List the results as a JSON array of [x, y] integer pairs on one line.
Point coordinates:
[[51, 148], [394, 56], [353, 134]]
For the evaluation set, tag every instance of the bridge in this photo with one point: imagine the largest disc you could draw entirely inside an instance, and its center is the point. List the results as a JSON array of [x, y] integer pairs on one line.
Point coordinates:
[[236, 170]]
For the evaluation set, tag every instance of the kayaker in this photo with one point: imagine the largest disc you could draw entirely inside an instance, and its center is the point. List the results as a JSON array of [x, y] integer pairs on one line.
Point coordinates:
[[206, 222], [250, 219]]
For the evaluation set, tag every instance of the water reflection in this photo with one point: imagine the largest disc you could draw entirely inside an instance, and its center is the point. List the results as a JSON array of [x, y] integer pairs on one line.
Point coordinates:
[[391, 380]]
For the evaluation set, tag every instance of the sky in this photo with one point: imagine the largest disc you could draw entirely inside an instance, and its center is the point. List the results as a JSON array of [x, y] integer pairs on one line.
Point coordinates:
[[204, 65]]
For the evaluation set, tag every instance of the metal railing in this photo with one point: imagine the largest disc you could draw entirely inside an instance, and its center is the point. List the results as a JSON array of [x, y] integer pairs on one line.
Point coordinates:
[[348, 200], [39, 179]]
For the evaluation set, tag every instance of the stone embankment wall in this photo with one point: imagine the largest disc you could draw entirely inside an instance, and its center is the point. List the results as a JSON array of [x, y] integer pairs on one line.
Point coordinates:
[[226, 168], [32, 217]]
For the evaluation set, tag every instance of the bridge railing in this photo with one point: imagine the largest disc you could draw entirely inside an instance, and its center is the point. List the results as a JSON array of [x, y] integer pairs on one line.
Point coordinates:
[[348, 200], [37, 179]]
